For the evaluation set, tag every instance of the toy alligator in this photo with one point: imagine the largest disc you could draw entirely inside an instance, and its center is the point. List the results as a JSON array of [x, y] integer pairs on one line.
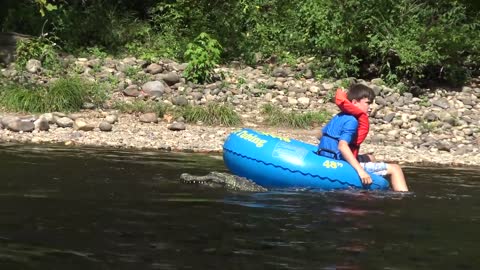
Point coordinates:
[[222, 180]]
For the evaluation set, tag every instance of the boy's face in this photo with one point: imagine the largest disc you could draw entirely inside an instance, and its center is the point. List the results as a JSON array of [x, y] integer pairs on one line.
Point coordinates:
[[363, 104]]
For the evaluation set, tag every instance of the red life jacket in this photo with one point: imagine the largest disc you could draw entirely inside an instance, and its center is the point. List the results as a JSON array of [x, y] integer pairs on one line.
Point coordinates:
[[363, 124]]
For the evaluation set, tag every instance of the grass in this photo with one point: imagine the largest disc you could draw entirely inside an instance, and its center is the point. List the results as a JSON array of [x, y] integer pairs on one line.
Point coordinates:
[[210, 114], [23, 98], [131, 71], [276, 117], [63, 95]]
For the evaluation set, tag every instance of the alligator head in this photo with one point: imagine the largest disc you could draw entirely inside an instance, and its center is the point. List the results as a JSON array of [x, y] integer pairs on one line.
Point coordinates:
[[222, 180]]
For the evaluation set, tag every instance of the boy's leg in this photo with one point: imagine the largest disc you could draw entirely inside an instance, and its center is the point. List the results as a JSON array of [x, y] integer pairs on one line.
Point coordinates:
[[397, 177], [393, 170]]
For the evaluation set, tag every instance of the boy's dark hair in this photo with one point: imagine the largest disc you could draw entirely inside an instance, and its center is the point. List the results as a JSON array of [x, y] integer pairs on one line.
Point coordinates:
[[359, 91]]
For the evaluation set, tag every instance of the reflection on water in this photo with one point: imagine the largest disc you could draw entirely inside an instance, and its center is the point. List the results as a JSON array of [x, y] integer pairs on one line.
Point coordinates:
[[64, 208]]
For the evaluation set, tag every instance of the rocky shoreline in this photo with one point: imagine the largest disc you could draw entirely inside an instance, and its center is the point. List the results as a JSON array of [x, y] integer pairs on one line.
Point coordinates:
[[129, 133], [438, 127]]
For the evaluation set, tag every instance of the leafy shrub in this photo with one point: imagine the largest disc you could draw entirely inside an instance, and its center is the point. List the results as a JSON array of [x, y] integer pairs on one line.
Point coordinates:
[[97, 52], [423, 41], [269, 28], [21, 17], [42, 48], [203, 54], [332, 31], [151, 46], [405, 40], [132, 71], [104, 24]]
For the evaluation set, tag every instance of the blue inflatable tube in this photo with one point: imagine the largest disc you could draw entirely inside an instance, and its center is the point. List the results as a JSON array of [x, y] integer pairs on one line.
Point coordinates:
[[272, 161]]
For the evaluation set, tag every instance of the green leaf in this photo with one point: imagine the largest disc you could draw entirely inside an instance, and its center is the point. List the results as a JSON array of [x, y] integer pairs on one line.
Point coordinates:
[[51, 7]]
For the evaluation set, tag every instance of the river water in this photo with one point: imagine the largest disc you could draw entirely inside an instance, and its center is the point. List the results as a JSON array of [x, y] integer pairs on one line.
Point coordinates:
[[69, 208]]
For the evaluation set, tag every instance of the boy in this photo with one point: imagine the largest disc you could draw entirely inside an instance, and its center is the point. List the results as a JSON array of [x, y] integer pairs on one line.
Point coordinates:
[[340, 140]]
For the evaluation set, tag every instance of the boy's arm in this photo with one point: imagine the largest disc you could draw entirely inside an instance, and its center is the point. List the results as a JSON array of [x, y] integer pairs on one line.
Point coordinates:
[[346, 106], [363, 127], [350, 158]]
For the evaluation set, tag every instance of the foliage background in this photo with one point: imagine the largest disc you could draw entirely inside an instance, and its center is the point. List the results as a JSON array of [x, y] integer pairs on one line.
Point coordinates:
[[408, 41]]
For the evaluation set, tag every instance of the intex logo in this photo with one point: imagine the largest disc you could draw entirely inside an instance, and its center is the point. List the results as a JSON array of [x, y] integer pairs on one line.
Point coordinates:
[[251, 138]]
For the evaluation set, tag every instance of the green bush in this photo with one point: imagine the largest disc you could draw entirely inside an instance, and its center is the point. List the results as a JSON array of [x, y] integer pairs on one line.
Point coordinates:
[[78, 24], [269, 28], [42, 49], [151, 45], [21, 17], [406, 40], [203, 54]]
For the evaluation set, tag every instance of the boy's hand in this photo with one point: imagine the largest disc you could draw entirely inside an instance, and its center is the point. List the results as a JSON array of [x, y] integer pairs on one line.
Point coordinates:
[[350, 158], [365, 177]]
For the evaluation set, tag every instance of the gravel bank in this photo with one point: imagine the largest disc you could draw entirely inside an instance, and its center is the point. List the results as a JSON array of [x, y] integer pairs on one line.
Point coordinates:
[[129, 133]]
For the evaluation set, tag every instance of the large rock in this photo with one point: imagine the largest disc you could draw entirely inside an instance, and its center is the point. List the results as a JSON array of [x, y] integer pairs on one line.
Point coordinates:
[[389, 117], [170, 78], [9, 118], [177, 126], [112, 118], [380, 101], [148, 118], [105, 126], [64, 122], [81, 124], [8, 43], [49, 117], [7, 54], [131, 91], [179, 101], [21, 126], [33, 66], [154, 68], [305, 101], [308, 74], [442, 103], [378, 81], [42, 124], [280, 72], [155, 88]]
